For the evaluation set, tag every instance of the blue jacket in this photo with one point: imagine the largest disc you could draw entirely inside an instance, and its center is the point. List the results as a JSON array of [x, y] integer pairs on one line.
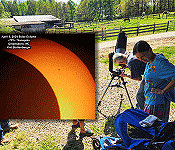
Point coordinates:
[[158, 74]]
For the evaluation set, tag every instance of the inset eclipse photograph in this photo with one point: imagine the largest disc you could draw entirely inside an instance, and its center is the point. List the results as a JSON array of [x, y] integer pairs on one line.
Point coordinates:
[[47, 76]]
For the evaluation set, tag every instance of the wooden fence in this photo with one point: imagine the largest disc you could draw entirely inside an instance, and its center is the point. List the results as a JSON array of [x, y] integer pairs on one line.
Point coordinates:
[[70, 31], [106, 33], [172, 25]]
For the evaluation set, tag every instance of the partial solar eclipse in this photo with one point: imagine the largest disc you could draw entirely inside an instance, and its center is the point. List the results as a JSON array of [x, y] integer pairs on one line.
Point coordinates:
[[47, 81]]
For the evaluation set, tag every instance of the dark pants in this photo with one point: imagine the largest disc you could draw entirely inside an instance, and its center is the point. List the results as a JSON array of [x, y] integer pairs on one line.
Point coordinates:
[[4, 124], [140, 96]]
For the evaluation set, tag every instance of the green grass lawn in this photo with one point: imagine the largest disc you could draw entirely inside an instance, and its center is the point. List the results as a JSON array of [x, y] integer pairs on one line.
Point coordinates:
[[23, 141], [134, 22], [120, 23], [115, 25], [168, 51], [138, 23]]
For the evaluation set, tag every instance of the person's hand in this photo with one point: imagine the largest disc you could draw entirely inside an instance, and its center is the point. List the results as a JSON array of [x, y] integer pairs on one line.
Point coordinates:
[[157, 91]]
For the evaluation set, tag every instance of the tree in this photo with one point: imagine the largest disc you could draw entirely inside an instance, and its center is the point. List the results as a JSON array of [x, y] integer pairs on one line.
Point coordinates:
[[23, 7], [31, 7], [83, 13], [40, 5], [54, 8], [63, 12], [121, 8], [172, 5], [1, 10], [108, 9], [71, 10], [92, 10], [129, 11], [15, 10]]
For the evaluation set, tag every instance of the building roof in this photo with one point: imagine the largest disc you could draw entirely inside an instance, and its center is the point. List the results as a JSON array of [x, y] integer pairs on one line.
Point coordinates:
[[12, 22], [35, 18]]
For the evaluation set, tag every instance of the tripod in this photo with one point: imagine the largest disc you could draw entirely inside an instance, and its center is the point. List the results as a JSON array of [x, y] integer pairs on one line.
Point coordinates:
[[115, 85]]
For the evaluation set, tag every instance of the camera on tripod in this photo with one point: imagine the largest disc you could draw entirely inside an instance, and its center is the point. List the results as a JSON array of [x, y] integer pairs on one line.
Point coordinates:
[[119, 48]]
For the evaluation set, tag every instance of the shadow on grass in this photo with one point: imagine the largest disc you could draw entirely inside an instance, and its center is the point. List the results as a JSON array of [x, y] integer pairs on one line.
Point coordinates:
[[109, 125], [73, 143]]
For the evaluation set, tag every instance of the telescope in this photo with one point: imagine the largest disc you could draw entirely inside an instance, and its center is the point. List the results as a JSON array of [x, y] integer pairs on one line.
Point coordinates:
[[119, 48]]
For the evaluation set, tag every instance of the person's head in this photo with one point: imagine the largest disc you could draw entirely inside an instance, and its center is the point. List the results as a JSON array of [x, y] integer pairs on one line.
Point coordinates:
[[143, 51], [119, 58]]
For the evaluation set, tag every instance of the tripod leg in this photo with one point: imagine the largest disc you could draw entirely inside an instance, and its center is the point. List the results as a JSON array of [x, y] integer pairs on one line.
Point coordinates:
[[102, 114], [124, 83], [105, 91]]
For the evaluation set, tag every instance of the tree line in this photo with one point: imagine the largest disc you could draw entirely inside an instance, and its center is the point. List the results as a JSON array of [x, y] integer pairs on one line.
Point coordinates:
[[86, 10]]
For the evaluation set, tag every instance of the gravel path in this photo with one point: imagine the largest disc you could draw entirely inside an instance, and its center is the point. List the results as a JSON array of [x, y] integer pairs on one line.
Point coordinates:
[[36, 129], [134, 39]]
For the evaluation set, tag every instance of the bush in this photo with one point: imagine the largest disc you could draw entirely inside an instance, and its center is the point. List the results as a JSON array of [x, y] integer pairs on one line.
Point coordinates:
[[7, 30]]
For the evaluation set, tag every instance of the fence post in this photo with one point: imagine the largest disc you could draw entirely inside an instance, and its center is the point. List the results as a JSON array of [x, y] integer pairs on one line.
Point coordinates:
[[137, 30], [167, 26], [105, 33], [120, 29], [154, 28]]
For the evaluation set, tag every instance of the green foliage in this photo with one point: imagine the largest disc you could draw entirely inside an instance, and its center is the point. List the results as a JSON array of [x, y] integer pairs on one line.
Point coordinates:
[[109, 126], [7, 30], [1, 9], [104, 60], [50, 143], [23, 7], [31, 7], [15, 9], [71, 10], [97, 131], [125, 106], [86, 10], [172, 105]]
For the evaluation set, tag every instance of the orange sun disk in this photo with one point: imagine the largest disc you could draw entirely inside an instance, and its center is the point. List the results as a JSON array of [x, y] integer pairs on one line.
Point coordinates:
[[71, 81]]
